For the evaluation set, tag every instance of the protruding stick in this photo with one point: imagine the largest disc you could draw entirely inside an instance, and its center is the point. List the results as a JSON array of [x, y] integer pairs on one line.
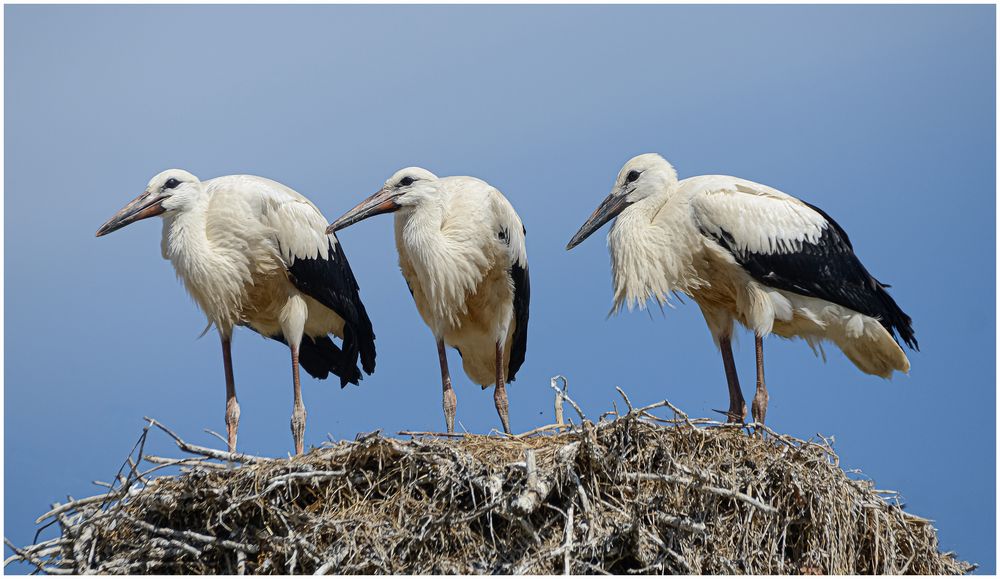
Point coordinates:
[[563, 394]]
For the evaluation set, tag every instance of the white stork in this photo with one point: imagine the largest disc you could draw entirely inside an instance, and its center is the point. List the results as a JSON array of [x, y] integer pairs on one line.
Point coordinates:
[[253, 252], [748, 253], [462, 253]]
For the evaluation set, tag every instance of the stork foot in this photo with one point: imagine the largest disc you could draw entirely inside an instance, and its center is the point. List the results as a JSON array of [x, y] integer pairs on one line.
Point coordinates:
[[500, 391], [737, 407], [232, 406], [759, 405], [500, 399], [760, 398], [450, 403], [299, 427], [232, 422]]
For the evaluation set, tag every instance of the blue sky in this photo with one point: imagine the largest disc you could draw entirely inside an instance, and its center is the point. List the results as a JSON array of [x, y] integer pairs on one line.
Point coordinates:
[[882, 116]]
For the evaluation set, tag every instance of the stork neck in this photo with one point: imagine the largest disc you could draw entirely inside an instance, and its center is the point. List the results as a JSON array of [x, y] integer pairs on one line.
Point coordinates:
[[422, 220], [418, 231], [185, 234], [651, 206], [215, 282], [447, 258], [653, 244]]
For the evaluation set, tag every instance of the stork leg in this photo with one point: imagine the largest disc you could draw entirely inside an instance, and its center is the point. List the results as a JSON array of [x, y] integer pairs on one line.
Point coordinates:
[[232, 405], [737, 406], [500, 392], [450, 402], [298, 408], [759, 405]]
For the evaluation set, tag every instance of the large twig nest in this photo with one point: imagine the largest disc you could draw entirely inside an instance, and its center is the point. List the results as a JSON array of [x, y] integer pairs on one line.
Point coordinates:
[[633, 494]]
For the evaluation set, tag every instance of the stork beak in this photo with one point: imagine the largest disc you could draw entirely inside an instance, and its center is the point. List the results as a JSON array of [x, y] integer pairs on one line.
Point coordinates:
[[146, 205], [382, 202], [609, 209]]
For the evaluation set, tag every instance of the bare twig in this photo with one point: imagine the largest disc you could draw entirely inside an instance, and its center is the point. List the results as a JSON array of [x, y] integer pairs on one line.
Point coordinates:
[[192, 536], [221, 438], [681, 523], [75, 505], [203, 451], [558, 403], [535, 490], [313, 476], [434, 434], [37, 562], [567, 569], [715, 490], [159, 460], [624, 396], [584, 501], [563, 392], [541, 429]]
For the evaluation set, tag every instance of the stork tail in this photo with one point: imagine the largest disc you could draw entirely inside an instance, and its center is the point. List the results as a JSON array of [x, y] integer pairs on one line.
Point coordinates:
[[320, 357], [881, 356]]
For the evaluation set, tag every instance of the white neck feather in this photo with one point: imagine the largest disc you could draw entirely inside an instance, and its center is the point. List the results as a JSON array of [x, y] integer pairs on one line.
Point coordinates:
[[448, 261], [214, 276], [653, 244]]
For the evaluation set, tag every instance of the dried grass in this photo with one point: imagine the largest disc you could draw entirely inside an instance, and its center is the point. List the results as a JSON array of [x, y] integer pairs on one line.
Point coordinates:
[[634, 494]]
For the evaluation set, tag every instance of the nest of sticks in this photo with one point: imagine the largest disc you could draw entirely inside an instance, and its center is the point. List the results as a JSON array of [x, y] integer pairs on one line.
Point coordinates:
[[644, 491]]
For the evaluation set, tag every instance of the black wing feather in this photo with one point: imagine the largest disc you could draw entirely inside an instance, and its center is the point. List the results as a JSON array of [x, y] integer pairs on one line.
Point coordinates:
[[522, 295], [331, 282], [829, 270], [318, 356]]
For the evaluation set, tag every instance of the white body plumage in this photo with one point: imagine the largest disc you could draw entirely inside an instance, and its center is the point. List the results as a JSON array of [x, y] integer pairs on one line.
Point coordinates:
[[232, 249], [456, 252]]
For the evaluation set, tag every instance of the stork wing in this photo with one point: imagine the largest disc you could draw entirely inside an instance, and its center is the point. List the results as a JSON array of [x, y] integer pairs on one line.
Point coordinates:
[[787, 244], [316, 265], [756, 218], [522, 296], [512, 231], [331, 282]]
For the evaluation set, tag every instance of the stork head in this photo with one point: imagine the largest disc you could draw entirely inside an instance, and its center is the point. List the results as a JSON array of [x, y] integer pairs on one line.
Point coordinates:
[[171, 190], [640, 178], [407, 187]]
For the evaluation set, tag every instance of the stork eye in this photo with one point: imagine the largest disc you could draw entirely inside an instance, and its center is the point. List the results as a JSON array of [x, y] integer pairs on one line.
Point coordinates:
[[406, 181], [632, 176], [171, 183]]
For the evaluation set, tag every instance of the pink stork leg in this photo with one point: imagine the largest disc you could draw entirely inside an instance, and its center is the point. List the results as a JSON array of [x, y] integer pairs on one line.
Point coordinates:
[[232, 406], [737, 407], [298, 408], [759, 405], [450, 402], [500, 393]]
